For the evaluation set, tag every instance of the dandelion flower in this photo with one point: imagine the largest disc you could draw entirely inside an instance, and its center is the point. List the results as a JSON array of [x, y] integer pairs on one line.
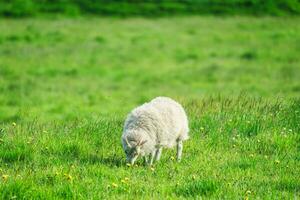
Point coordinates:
[[5, 177], [172, 158], [152, 169], [68, 177], [14, 124], [114, 185]]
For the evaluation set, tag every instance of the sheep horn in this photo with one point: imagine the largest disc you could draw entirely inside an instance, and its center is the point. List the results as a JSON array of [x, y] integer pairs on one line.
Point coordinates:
[[127, 142], [142, 142]]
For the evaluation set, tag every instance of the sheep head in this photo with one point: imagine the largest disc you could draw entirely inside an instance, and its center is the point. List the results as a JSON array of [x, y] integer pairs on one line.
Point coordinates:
[[132, 151]]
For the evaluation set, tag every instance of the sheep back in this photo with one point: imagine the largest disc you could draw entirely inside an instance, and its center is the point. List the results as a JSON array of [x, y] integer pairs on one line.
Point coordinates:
[[162, 120]]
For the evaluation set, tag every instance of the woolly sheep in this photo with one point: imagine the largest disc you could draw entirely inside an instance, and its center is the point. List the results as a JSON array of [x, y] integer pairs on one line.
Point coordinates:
[[159, 123]]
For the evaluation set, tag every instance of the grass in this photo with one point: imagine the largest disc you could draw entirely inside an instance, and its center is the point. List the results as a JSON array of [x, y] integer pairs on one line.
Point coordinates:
[[66, 86]]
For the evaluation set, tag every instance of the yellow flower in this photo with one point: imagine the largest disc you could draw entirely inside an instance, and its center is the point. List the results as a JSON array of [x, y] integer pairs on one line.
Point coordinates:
[[193, 177], [114, 185], [14, 124], [123, 181], [201, 128], [248, 192], [251, 155], [128, 165], [5, 177], [152, 169], [172, 158], [126, 179], [277, 161], [68, 177]]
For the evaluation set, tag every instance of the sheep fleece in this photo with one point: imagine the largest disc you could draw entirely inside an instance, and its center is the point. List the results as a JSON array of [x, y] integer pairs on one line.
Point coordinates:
[[161, 121]]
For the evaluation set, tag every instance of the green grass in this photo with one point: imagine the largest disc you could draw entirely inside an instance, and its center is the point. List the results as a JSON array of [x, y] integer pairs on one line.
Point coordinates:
[[66, 86]]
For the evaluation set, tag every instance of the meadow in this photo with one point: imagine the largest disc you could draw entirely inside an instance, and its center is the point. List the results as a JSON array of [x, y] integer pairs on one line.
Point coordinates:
[[67, 84]]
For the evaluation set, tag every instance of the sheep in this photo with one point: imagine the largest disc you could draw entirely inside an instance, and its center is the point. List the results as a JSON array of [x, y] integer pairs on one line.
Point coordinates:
[[148, 128]]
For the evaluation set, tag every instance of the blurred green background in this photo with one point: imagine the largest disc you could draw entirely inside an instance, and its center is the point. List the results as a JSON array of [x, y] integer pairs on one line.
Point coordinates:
[[67, 68], [18, 8]]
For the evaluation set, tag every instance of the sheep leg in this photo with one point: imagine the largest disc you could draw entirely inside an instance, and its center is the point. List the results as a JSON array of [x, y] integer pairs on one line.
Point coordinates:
[[158, 154], [151, 158], [179, 150], [146, 159]]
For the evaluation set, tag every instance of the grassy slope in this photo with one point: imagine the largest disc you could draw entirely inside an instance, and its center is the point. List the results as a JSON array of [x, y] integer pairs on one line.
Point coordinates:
[[69, 83]]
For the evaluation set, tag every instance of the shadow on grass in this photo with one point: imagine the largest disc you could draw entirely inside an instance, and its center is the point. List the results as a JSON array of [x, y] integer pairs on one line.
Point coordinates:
[[109, 160]]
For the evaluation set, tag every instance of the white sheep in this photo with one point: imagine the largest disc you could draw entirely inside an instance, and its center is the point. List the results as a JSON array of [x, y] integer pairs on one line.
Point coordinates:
[[159, 123]]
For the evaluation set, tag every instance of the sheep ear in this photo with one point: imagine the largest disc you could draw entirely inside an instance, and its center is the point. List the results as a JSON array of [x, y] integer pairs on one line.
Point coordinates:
[[142, 142], [127, 142]]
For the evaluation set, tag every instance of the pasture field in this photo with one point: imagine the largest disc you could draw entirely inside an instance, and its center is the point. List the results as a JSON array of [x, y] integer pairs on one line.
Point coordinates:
[[66, 86]]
